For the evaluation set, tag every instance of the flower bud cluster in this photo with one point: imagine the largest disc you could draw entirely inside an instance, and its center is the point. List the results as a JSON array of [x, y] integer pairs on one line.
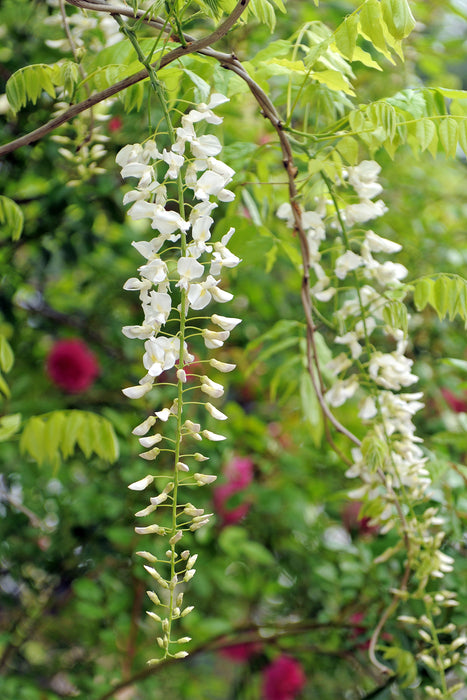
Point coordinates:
[[180, 261]]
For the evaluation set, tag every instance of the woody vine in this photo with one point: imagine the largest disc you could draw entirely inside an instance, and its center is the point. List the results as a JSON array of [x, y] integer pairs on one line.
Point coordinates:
[[353, 338]]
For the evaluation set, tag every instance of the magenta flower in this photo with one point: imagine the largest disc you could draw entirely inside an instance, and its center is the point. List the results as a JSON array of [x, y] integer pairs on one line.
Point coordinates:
[[72, 366], [283, 679], [238, 474]]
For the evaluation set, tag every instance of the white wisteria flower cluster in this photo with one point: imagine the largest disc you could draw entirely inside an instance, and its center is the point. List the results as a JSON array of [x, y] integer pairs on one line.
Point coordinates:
[[367, 294], [180, 264]]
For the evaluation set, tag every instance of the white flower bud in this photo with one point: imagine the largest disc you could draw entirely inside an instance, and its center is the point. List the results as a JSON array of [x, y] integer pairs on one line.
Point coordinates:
[[142, 483], [227, 324], [145, 426], [199, 457], [153, 597], [150, 441], [215, 437], [215, 413], [136, 392], [151, 454], [182, 467], [150, 530], [189, 575], [222, 366], [211, 388], [203, 479]]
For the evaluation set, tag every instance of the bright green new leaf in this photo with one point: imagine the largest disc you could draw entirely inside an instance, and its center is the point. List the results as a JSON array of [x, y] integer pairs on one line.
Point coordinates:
[[371, 26], [333, 80], [9, 425], [11, 218], [425, 132], [346, 36], [448, 136], [398, 17], [28, 84]]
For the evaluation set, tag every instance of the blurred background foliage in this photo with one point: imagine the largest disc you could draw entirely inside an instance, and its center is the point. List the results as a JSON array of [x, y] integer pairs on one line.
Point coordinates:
[[295, 575]]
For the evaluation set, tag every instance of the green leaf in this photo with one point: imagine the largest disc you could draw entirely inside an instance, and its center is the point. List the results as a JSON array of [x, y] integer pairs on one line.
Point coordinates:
[[202, 88], [423, 293], [425, 133], [4, 388], [371, 26], [11, 218], [398, 17], [264, 11], [348, 148], [32, 439], [9, 425], [395, 316], [28, 84], [334, 80], [346, 36], [448, 136], [6, 355], [54, 436]]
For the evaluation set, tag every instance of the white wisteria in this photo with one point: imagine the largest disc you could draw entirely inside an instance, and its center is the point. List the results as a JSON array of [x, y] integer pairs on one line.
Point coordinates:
[[188, 279], [374, 371]]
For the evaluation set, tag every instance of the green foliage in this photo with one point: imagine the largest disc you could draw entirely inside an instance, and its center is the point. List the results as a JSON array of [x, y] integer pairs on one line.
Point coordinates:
[[446, 294], [54, 437], [11, 218], [28, 84]]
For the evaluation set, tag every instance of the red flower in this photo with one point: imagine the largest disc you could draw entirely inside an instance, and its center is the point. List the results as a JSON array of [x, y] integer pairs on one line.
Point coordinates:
[[239, 474], [283, 679], [72, 366], [354, 523], [115, 124], [457, 404]]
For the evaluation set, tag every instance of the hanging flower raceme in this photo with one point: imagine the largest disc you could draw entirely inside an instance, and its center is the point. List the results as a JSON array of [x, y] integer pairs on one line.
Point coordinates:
[[190, 275], [368, 313]]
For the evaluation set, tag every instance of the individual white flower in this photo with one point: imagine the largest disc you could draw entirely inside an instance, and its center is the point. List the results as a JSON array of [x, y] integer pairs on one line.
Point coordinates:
[[200, 294], [377, 244], [347, 262], [188, 269], [174, 161], [168, 221], [342, 390], [214, 339], [155, 271], [364, 211], [204, 111]]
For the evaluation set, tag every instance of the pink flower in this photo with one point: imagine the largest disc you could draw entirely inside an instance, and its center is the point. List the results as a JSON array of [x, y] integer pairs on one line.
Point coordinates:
[[283, 679], [239, 474], [72, 366]]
